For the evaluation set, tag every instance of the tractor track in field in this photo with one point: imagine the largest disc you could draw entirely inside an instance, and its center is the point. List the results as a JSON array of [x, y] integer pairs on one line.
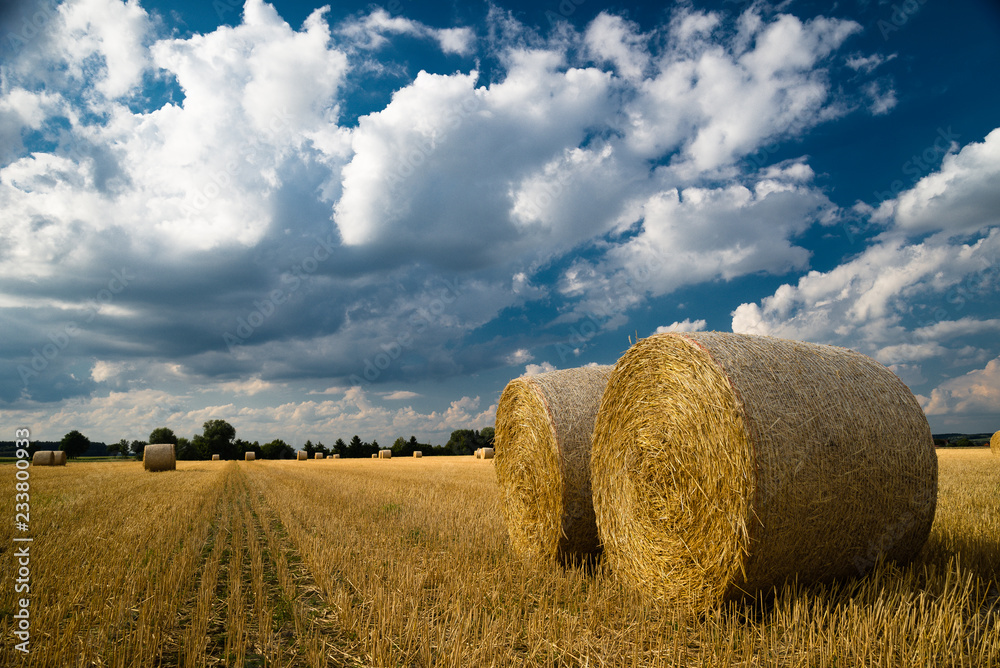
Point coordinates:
[[254, 603]]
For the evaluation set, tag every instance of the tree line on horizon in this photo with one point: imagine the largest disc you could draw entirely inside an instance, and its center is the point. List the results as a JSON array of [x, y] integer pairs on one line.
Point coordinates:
[[218, 437]]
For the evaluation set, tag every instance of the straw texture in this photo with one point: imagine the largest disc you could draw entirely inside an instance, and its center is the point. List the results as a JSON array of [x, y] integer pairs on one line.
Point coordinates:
[[42, 458], [724, 464], [159, 457], [58, 458], [249, 456], [995, 444], [543, 441]]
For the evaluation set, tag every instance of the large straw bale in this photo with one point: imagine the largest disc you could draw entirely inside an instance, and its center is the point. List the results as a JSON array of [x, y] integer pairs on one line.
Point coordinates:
[[995, 444], [417, 454], [543, 440], [42, 458], [216, 458], [385, 454], [724, 464], [249, 456], [159, 457], [301, 455], [59, 458]]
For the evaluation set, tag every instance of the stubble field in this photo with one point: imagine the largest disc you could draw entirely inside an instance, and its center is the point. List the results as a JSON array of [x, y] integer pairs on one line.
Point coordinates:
[[405, 562]]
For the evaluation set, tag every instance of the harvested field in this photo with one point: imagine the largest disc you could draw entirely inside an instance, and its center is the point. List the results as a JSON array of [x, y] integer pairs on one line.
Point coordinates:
[[348, 564]]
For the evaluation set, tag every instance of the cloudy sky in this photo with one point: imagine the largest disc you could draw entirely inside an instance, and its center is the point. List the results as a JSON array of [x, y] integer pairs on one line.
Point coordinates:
[[319, 221]]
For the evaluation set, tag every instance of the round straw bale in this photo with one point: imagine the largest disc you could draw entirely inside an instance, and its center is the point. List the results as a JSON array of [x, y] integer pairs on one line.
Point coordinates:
[[42, 458], [385, 454], [159, 457], [318, 455], [374, 456], [543, 439], [724, 464], [334, 456], [417, 454], [216, 458], [301, 455], [59, 458], [487, 453], [995, 444], [249, 456]]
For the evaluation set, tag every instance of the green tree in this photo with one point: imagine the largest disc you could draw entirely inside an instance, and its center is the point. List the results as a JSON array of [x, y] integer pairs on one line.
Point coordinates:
[[309, 448], [74, 444], [356, 447], [277, 449], [486, 437], [399, 447], [162, 435], [463, 442], [339, 447], [119, 449], [373, 447], [190, 450], [137, 448], [220, 439]]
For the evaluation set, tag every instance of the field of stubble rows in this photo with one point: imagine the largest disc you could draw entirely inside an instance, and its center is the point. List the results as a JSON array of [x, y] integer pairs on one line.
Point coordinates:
[[405, 562]]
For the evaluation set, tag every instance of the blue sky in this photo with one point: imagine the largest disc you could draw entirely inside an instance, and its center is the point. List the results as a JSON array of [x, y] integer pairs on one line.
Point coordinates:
[[366, 218]]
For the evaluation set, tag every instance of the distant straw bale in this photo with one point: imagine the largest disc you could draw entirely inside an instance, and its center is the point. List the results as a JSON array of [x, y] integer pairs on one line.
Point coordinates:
[[59, 458], [725, 464], [216, 458], [318, 455], [543, 441], [487, 453], [385, 454], [159, 457], [301, 455], [42, 458], [417, 454], [335, 456], [249, 456]]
